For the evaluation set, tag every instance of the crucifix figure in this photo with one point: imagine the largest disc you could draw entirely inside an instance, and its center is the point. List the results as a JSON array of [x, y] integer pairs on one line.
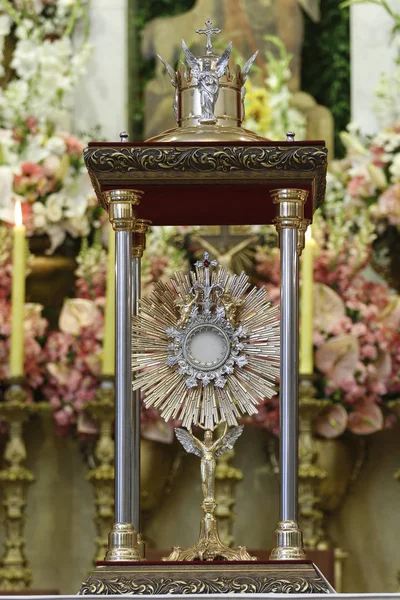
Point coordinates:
[[233, 251], [208, 31]]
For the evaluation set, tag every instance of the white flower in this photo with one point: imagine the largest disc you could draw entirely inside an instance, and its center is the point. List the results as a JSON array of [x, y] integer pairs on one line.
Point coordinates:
[[6, 200], [39, 215], [56, 145], [377, 176], [25, 59], [78, 226], [395, 168], [57, 235], [78, 193], [5, 24], [54, 207], [35, 150]]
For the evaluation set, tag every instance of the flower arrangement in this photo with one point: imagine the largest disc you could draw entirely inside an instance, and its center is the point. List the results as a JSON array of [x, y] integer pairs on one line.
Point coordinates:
[[268, 109], [35, 325], [368, 178], [40, 162], [74, 353], [356, 331]]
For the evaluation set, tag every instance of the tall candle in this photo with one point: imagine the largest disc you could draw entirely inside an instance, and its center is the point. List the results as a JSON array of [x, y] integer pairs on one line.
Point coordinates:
[[108, 366], [18, 295], [306, 307]]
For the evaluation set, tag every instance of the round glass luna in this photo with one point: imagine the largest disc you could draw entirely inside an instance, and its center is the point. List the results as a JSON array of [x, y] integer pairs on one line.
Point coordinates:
[[206, 347]]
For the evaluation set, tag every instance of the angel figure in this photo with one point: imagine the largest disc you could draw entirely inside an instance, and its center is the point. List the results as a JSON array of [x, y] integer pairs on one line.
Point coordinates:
[[209, 450], [208, 80], [185, 305], [231, 306], [174, 80]]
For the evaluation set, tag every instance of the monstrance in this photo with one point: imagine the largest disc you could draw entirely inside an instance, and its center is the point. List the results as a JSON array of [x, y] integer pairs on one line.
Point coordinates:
[[206, 171], [205, 352]]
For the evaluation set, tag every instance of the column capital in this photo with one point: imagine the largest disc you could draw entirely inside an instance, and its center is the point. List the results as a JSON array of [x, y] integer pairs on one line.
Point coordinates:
[[290, 203], [120, 204], [140, 229]]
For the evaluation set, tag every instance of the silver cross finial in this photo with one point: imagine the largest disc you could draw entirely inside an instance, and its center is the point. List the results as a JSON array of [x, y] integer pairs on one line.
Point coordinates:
[[208, 31], [206, 262]]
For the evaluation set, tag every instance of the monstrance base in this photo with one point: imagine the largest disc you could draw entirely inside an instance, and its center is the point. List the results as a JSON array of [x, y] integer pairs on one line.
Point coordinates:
[[209, 546], [256, 577]]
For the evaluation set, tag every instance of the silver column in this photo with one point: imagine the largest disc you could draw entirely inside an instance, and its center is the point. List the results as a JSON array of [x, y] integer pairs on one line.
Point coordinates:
[[122, 540], [123, 377], [289, 539], [140, 229], [135, 431], [289, 375]]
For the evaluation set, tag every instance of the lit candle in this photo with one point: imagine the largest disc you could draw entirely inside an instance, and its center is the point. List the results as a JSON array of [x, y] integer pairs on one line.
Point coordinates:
[[109, 317], [18, 296], [306, 307]]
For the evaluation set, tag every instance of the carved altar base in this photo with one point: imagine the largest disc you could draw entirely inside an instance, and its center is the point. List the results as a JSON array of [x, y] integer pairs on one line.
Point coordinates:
[[206, 578]]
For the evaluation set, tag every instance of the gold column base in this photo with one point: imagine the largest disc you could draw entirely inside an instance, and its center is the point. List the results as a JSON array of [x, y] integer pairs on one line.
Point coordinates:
[[122, 543], [289, 542]]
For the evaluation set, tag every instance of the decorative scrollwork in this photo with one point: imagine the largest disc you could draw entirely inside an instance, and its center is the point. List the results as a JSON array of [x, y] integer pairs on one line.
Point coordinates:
[[219, 585], [204, 158]]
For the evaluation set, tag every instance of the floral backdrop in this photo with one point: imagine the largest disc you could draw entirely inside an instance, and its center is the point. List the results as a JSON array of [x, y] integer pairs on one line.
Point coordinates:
[[357, 316], [40, 161]]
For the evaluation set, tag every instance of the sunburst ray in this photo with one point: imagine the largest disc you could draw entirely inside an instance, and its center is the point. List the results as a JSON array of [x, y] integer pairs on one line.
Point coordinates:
[[205, 348]]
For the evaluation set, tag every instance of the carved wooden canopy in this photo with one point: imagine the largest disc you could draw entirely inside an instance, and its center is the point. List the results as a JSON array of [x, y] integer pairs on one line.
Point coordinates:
[[225, 183]]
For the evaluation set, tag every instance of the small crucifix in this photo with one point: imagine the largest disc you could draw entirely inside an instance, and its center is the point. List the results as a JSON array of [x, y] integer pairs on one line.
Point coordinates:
[[233, 251], [208, 31]]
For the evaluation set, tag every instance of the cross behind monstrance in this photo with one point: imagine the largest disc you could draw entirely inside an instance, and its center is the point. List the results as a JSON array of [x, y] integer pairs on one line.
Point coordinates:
[[233, 246]]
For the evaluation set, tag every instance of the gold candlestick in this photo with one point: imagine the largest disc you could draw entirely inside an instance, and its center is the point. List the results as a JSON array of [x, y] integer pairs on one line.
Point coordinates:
[[310, 474], [102, 477], [15, 573], [226, 479]]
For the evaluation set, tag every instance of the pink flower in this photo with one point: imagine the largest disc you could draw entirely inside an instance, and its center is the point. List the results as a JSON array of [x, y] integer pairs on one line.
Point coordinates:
[[369, 351], [332, 421], [337, 358], [329, 307], [77, 314], [366, 419], [389, 204], [74, 146]]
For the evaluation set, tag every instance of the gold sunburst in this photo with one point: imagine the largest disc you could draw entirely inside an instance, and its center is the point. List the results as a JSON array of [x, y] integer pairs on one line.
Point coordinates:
[[203, 349]]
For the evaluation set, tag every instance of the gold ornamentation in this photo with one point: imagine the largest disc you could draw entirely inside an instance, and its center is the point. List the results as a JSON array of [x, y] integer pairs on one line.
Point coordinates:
[[140, 229], [291, 203], [213, 579], [208, 546], [130, 159], [140, 165], [310, 474], [226, 479], [102, 477], [289, 542], [123, 543], [120, 207], [15, 573], [184, 306]]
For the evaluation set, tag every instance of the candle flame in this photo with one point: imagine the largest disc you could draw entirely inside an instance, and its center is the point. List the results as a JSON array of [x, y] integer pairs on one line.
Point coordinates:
[[308, 233], [18, 213]]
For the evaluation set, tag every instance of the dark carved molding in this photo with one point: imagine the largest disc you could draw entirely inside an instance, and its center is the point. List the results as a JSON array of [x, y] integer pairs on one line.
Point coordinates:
[[204, 159], [218, 585], [267, 165]]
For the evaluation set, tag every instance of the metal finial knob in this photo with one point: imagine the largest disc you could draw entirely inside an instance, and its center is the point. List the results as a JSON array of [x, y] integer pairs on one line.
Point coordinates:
[[290, 136], [123, 136]]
